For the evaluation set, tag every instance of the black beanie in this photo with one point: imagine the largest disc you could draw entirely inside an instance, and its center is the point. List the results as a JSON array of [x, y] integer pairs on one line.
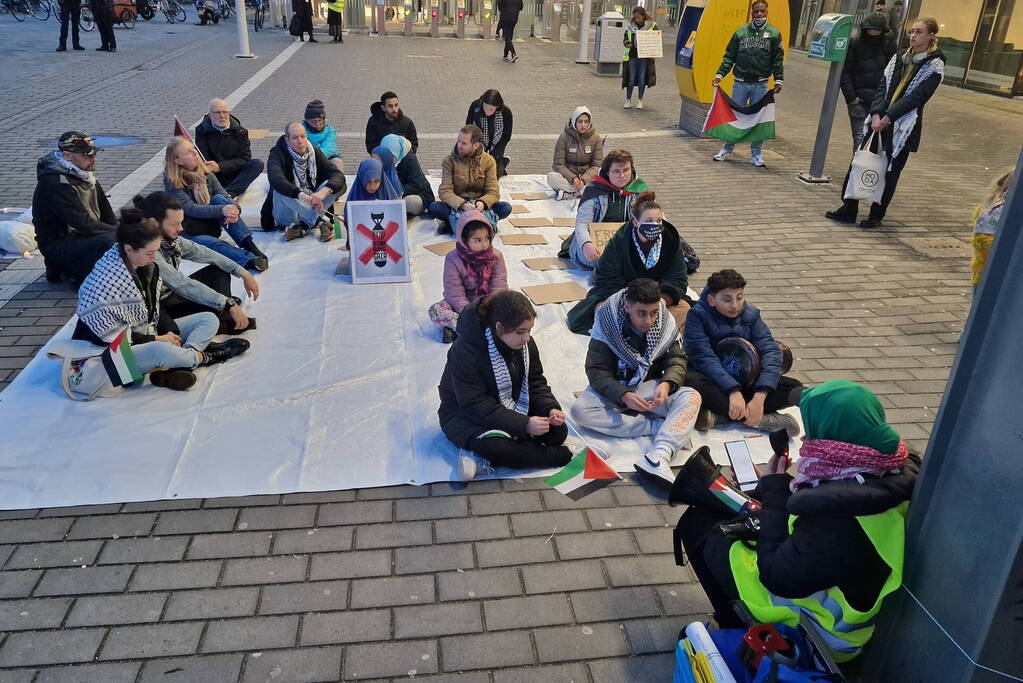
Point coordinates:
[[315, 110]]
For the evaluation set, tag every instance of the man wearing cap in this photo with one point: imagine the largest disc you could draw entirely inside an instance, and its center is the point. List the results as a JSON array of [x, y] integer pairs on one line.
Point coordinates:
[[868, 55], [74, 222], [224, 144]]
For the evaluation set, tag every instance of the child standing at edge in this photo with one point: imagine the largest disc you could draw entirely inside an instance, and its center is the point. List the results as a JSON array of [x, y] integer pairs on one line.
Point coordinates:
[[986, 217], [722, 312], [471, 270]]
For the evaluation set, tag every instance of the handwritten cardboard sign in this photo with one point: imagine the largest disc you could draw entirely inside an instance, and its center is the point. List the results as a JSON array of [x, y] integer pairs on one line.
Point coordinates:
[[648, 44]]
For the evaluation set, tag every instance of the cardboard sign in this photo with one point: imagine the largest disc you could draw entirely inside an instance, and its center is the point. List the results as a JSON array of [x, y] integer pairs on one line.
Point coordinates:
[[441, 248], [601, 233], [518, 208], [528, 196], [523, 238], [378, 241], [557, 293], [536, 222], [547, 263], [563, 222], [648, 44]]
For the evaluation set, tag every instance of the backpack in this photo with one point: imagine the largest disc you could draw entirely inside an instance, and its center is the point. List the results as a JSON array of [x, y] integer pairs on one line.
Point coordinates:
[[689, 254]]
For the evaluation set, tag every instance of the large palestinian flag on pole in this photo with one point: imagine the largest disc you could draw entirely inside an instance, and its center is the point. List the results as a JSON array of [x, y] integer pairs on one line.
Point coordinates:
[[727, 121], [585, 473]]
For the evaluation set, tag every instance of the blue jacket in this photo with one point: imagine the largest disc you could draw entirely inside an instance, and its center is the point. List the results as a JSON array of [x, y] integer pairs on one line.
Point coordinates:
[[325, 140], [705, 327]]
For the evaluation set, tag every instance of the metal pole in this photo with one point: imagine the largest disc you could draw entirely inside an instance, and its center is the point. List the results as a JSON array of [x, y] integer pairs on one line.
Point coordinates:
[[584, 33], [243, 31], [820, 145]]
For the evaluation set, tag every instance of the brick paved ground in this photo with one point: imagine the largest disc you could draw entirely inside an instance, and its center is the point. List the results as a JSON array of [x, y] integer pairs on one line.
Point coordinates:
[[497, 581]]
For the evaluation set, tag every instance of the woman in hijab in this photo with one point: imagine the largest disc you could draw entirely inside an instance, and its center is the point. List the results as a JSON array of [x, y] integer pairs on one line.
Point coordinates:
[[831, 539], [370, 184], [415, 188], [390, 162]]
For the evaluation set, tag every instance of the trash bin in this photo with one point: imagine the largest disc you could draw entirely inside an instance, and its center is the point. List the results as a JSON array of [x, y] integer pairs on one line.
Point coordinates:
[[608, 47]]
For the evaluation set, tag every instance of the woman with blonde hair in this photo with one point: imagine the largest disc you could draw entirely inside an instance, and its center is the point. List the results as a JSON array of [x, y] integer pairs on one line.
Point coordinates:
[[986, 218], [208, 208]]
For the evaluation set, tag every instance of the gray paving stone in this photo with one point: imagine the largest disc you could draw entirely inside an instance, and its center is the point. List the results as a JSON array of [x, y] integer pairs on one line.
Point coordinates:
[[32, 648], [595, 544], [253, 633], [487, 651], [627, 495], [319, 540], [471, 529], [17, 676], [149, 549], [212, 604], [431, 508], [26, 615], [122, 672], [647, 669], [392, 492], [433, 558], [279, 517], [368, 512], [241, 501], [528, 612], [626, 517], [160, 505], [111, 526], [357, 564], [79, 581], [686, 598], [392, 590], [79, 510], [314, 596], [195, 521], [460, 488], [315, 497], [33, 530], [553, 500], [579, 642], [514, 551], [113, 610], [481, 583], [304, 665], [234, 544], [283, 569], [563, 576], [615, 604], [639, 571], [356, 626], [18, 584], [655, 541], [573, 672], [155, 640], [159, 577], [375, 660], [505, 503], [192, 669], [547, 523], [425, 621], [649, 636], [397, 535], [466, 677], [63, 554]]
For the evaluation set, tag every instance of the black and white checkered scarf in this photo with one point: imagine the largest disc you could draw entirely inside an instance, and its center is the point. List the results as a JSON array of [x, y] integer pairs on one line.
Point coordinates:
[[503, 377], [609, 325]]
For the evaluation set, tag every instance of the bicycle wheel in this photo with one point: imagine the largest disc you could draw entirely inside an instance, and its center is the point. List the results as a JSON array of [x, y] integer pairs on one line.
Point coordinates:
[[257, 17], [17, 8], [87, 21], [226, 9], [128, 19], [146, 11], [179, 11], [40, 9]]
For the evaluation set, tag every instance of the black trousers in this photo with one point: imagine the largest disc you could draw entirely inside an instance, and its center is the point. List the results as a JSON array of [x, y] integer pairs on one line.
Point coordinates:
[[786, 394], [707, 550], [521, 454], [238, 182], [101, 12], [70, 10], [74, 256], [507, 30], [211, 276], [891, 181]]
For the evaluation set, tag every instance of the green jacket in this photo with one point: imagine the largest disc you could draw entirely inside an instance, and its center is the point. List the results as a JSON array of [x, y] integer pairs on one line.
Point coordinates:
[[603, 373], [620, 264], [755, 55]]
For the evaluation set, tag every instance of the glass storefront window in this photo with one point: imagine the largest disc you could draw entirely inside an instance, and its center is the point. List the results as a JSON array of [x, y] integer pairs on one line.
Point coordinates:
[[957, 20], [998, 54]]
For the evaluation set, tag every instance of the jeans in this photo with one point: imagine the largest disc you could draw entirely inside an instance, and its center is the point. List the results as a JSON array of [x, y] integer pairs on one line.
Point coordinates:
[[637, 76], [238, 182], [288, 211], [745, 94], [196, 332], [238, 231], [857, 115], [70, 10], [442, 212]]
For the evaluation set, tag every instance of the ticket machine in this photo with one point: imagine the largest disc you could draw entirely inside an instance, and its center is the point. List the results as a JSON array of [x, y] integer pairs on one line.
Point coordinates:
[[435, 18], [409, 14]]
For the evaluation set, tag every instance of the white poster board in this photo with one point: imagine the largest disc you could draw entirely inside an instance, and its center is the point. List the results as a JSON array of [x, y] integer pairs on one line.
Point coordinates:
[[379, 241], [648, 44]]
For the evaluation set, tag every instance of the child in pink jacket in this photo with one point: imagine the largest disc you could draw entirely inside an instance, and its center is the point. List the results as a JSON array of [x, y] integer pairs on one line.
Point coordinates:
[[471, 270]]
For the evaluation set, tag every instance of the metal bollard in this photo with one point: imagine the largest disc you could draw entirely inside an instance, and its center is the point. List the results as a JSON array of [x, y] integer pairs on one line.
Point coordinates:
[[487, 19], [407, 32], [435, 21], [381, 11], [555, 34], [460, 24]]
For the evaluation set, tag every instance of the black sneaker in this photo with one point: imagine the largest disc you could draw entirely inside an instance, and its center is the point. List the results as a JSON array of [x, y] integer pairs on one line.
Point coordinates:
[[178, 379], [840, 215], [220, 352], [870, 223]]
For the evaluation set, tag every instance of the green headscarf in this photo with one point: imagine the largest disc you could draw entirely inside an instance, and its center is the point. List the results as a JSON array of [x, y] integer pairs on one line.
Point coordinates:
[[840, 410]]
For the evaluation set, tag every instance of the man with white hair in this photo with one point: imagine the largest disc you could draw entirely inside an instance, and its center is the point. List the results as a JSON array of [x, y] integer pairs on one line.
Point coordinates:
[[224, 143]]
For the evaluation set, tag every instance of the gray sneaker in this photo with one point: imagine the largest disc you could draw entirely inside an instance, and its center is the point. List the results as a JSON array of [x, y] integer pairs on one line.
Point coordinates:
[[772, 422]]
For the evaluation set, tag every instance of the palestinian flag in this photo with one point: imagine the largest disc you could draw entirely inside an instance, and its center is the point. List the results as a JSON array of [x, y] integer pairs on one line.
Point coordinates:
[[119, 361], [585, 473], [727, 121], [732, 498], [180, 132]]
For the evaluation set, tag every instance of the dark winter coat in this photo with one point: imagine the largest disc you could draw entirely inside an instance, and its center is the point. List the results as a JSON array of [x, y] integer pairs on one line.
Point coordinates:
[[629, 42], [304, 10], [379, 125], [620, 264], [488, 124], [469, 403], [864, 65], [413, 180], [63, 204], [705, 327], [230, 147], [607, 378], [509, 11], [883, 106], [280, 171]]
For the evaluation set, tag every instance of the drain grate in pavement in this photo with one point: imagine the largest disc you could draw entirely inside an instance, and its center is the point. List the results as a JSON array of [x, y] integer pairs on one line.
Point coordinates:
[[937, 247]]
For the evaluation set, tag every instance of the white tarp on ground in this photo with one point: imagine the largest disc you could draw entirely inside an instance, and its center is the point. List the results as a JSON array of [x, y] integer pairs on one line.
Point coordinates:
[[338, 391]]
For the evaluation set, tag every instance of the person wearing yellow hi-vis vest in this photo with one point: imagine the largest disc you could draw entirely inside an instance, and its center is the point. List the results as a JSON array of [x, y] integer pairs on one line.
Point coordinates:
[[832, 539], [335, 11]]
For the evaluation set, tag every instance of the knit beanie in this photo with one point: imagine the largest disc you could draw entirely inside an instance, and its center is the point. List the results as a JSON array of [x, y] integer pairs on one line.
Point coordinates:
[[315, 110]]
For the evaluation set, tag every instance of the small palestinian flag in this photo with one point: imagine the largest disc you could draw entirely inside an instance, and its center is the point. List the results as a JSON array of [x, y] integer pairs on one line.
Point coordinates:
[[119, 361], [585, 473], [734, 499], [180, 132], [730, 122]]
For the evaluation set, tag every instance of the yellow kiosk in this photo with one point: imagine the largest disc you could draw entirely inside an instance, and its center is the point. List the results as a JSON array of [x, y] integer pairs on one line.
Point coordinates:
[[705, 27]]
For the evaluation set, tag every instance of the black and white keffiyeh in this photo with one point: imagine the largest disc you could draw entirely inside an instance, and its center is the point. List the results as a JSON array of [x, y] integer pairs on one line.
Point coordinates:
[[609, 325], [503, 377], [109, 299], [903, 127], [304, 166], [492, 128]]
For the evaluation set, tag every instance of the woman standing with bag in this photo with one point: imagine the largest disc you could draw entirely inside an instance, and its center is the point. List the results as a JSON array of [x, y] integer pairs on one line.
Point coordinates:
[[636, 71], [896, 114]]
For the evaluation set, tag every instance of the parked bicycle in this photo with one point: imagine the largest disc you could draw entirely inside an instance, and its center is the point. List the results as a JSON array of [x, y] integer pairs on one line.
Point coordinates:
[[123, 14], [260, 10], [21, 9], [171, 10]]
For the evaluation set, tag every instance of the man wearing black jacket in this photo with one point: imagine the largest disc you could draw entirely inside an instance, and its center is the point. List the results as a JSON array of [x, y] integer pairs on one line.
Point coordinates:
[[868, 55], [225, 146], [73, 220], [385, 118]]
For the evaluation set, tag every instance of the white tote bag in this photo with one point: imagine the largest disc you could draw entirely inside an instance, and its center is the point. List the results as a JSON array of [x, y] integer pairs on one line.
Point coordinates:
[[866, 175]]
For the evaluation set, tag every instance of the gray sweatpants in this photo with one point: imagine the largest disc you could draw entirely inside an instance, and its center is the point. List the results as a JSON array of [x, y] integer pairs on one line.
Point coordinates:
[[673, 421]]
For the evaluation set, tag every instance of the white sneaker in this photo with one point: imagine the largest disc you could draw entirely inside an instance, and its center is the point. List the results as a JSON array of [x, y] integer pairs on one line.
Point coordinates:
[[559, 195], [758, 162], [722, 156], [655, 468], [639, 104], [471, 465], [628, 104]]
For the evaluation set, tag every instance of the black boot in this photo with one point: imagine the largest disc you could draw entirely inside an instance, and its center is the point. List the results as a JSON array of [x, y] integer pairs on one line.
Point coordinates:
[[178, 379], [845, 214], [227, 327], [259, 260], [218, 353]]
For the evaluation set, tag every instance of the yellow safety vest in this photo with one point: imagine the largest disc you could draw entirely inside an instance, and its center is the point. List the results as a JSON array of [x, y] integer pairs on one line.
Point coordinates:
[[844, 628], [336, 6]]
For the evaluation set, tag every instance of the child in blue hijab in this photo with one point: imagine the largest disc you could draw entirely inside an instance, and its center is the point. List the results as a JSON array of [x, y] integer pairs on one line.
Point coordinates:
[[370, 184], [390, 163]]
